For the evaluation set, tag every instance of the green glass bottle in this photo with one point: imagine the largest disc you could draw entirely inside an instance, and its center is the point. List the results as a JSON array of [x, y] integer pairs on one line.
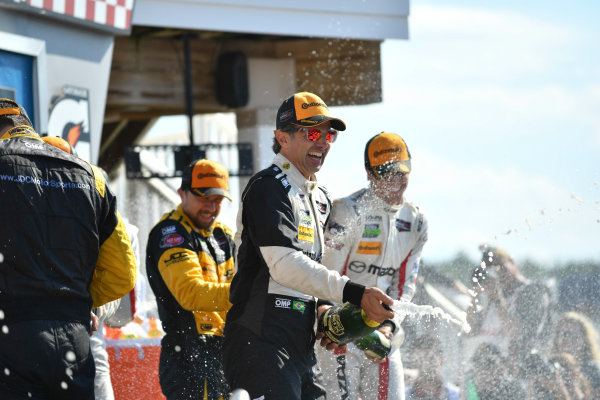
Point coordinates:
[[344, 323], [375, 345]]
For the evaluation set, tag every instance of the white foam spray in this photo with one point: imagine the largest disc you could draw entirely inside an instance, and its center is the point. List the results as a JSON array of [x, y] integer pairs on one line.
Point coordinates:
[[416, 310]]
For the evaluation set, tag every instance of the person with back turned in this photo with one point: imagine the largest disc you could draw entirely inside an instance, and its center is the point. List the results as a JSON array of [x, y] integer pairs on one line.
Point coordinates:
[[64, 250]]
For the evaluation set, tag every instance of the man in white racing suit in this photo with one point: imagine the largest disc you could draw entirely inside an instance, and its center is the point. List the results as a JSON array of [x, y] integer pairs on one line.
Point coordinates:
[[375, 238]]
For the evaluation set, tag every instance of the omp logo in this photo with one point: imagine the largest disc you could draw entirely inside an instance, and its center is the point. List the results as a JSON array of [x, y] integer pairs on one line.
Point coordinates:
[[177, 257], [369, 248], [392, 150], [307, 105], [374, 218], [283, 303], [379, 271]]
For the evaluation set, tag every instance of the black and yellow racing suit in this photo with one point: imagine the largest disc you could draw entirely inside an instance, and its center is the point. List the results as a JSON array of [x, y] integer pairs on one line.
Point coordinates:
[[64, 249], [190, 271]]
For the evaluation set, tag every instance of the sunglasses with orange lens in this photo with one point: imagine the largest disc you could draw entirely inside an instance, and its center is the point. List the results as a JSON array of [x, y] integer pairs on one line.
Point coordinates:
[[313, 134]]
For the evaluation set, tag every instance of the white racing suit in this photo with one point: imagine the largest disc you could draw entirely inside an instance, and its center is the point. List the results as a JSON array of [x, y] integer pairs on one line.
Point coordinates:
[[374, 244]]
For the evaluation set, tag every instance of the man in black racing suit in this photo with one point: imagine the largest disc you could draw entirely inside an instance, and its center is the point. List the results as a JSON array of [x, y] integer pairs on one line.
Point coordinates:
[[63, 249], [269, 332]]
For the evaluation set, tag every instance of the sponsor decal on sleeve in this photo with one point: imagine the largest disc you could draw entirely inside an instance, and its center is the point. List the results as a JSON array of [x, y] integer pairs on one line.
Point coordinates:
[[322, 207], [369, 248], [402, 225], [170, 240], [175, 257], [334, 228], [333, 244]]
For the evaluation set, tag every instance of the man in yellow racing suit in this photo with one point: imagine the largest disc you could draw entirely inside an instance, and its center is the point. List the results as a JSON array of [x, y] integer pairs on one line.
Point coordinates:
[[190, 266]]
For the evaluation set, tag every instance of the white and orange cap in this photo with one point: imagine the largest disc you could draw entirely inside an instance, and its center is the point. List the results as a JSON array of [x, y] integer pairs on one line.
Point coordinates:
[[387, 152]]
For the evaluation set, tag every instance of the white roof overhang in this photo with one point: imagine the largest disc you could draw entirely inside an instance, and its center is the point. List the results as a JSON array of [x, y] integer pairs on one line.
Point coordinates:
[[353, 19]]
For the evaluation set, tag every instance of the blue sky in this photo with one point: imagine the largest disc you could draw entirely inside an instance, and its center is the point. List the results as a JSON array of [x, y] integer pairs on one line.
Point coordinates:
[[499, 104]]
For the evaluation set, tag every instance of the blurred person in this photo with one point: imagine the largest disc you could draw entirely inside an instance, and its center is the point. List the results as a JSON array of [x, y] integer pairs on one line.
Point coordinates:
[[575, 335], [375, 237], [115, 313], [489, 376], [495, 284], [189, 263], [430, 384], [64, 250], [269, 334]]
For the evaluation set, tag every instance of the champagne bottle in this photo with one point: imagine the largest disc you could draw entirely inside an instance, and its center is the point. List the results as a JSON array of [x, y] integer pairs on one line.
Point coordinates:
[[375, 345], [346, 322]]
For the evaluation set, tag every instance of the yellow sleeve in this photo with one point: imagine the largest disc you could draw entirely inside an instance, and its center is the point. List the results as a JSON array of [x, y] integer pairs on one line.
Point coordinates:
[[115, 271], [184, 276]]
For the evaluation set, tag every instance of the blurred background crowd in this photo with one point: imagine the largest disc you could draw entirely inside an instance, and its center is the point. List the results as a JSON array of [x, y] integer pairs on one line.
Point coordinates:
[[533, 331]]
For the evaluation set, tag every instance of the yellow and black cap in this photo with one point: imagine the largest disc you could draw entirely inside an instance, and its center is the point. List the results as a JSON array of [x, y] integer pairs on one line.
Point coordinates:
[[205, 177], [305, 109], [10, 109], [386, 152]]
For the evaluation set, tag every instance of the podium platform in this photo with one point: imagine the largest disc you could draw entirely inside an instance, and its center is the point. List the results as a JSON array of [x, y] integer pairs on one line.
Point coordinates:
[[134, 368]]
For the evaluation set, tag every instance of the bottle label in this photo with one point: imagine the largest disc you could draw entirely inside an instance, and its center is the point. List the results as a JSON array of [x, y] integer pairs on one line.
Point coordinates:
[[332, 324], [335, 325]]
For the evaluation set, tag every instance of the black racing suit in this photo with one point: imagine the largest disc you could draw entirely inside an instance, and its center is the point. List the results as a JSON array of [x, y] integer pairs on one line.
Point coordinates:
[[269, 333], [190, 271], [64, 248]]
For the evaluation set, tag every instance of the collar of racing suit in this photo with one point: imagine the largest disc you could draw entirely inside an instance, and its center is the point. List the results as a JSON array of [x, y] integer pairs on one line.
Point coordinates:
[[293, 174], [186, 220]]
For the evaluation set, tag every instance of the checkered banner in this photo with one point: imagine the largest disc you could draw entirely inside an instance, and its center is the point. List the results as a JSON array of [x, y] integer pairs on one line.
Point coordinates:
[[112, 14]]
